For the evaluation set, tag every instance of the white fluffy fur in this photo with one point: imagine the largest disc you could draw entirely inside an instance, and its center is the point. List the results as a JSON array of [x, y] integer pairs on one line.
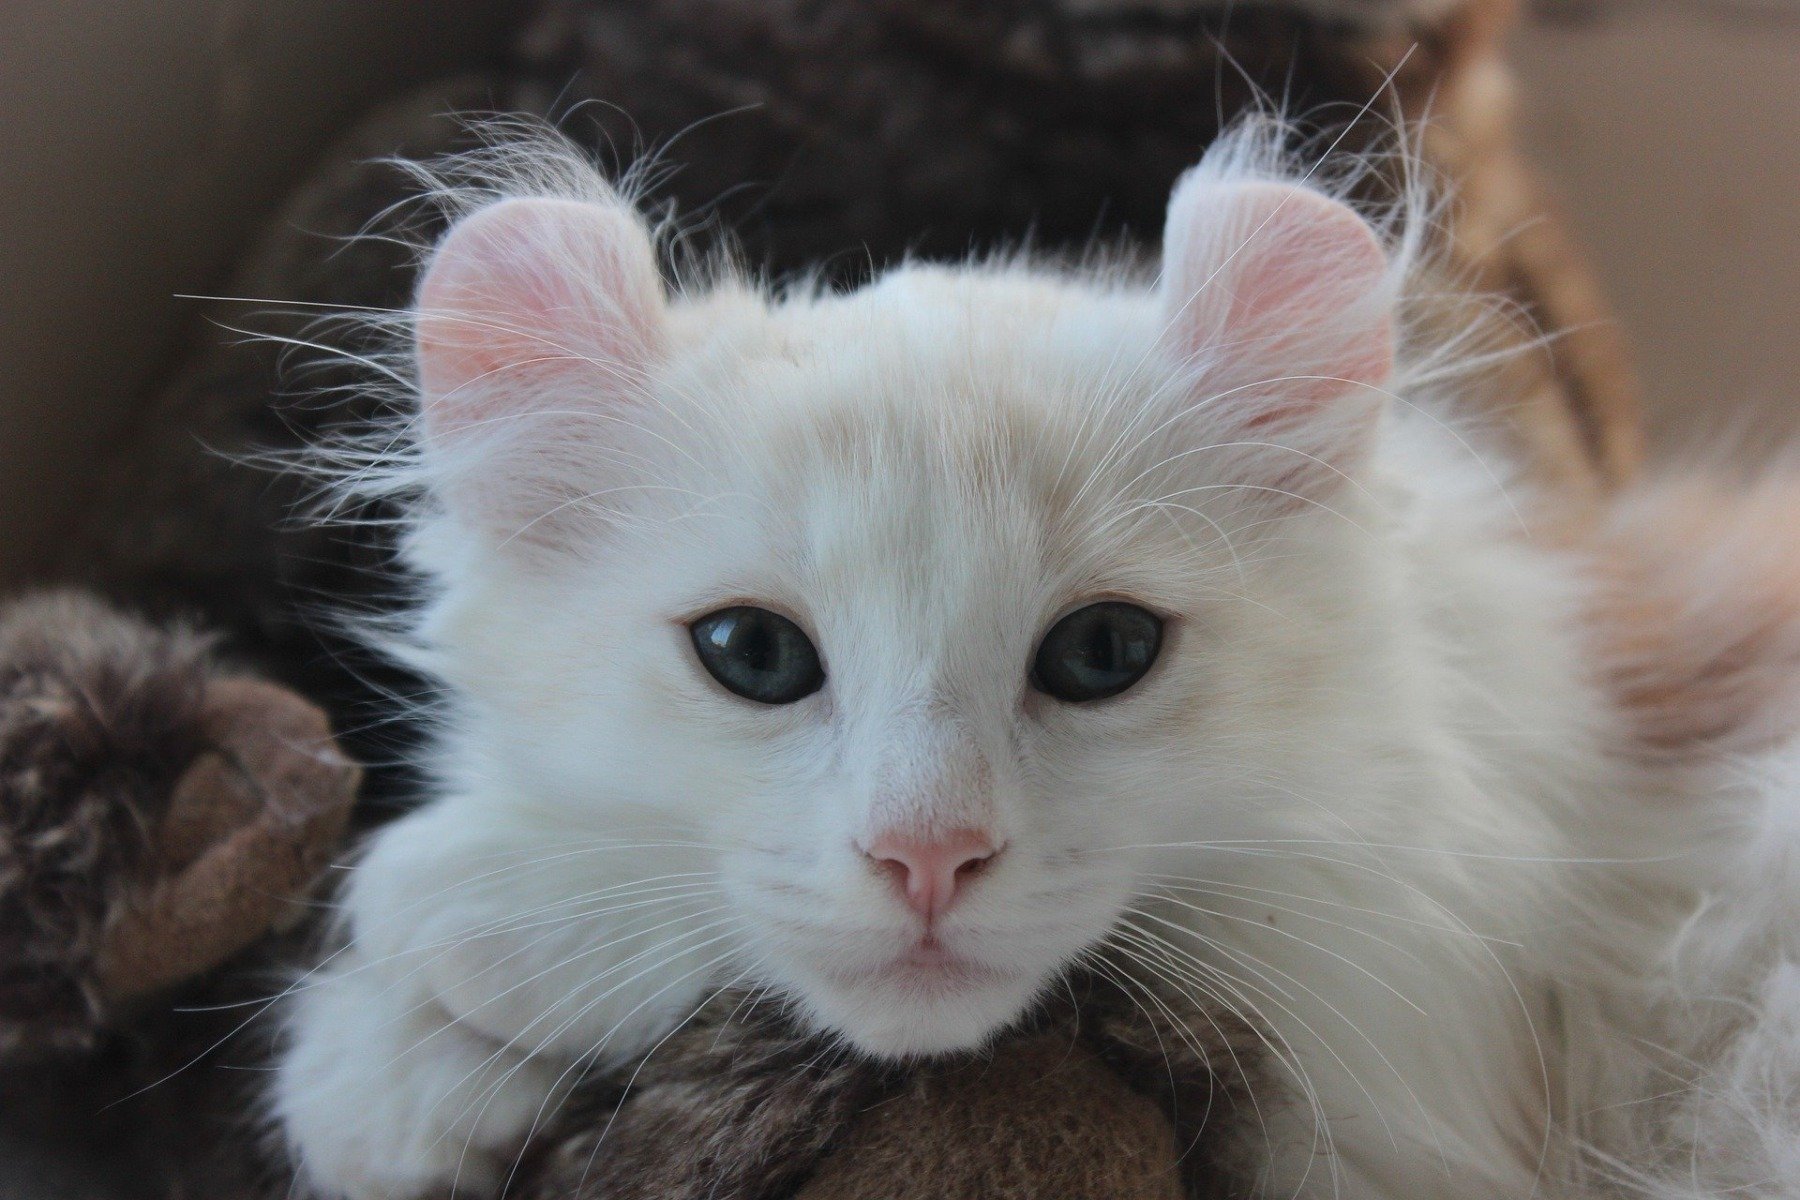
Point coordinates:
[[1368, 796]]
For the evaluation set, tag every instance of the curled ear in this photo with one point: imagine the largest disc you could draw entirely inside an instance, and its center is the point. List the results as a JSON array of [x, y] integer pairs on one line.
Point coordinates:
[[537, 322], [1281, 302]]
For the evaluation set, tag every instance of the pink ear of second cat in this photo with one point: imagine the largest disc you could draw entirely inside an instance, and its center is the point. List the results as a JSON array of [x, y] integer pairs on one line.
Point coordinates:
[[535, 302], [1280, 291]]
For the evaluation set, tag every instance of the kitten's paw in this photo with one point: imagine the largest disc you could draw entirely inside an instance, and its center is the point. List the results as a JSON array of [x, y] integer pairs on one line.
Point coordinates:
[[380, 1096]]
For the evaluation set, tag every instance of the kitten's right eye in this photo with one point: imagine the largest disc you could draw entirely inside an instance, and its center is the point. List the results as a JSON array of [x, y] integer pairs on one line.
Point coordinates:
[[1097, 651], [760, 655]]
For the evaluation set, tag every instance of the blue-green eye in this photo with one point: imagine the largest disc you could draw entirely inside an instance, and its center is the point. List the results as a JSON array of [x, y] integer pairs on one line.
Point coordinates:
[[760, 655], [1097, 651]]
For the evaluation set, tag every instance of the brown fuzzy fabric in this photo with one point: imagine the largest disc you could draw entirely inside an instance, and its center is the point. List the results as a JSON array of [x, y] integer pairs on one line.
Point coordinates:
[[737, 1105], [1044, 1118], [1099, 1097], [251, 822], [1105, 1101], [98, 719], [154, 814]]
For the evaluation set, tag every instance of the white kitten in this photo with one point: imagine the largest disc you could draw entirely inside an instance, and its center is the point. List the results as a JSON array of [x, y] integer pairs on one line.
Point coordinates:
[[891, 650]]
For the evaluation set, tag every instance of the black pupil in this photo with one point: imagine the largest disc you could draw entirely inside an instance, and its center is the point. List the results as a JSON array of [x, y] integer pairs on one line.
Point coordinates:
[[1097, 651], [758, 654], [756, 646]]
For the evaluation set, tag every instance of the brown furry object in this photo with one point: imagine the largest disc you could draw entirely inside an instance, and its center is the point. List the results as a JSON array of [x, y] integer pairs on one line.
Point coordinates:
[[1090, 1136], [1121, 1101], [1101, 1097], [155, 814]]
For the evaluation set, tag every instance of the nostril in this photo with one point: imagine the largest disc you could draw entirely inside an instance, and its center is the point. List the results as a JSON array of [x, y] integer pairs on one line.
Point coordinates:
[[975, 864], [894, 868]]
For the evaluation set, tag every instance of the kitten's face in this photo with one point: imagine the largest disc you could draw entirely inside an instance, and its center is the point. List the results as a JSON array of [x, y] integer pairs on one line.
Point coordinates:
[[920, 812]]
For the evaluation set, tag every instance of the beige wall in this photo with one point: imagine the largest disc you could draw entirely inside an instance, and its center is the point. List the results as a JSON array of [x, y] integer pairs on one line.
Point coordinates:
[[1675, 137], [137, 139]]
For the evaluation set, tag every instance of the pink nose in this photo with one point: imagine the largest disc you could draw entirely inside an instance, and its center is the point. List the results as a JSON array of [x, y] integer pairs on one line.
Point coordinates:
[[930, 869]]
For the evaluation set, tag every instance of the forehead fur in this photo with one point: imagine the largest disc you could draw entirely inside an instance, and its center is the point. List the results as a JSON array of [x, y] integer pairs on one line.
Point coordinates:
[[925, 350], [932, 407]]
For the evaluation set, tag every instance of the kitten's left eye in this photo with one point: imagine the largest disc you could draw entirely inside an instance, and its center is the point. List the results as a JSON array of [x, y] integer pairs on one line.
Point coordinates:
[[758, 654], [1097, 651]]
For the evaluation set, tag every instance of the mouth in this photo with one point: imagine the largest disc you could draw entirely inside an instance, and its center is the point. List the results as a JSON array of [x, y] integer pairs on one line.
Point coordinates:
[[924, 966], [929, 962], [924, 995]]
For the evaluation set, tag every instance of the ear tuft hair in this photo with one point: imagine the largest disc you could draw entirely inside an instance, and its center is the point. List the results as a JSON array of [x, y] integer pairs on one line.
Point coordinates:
[[1277, 289], [1281, 306], [538, 320]]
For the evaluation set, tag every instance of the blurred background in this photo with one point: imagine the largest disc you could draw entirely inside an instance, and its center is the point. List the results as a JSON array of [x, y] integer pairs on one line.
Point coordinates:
[[1672, 132]]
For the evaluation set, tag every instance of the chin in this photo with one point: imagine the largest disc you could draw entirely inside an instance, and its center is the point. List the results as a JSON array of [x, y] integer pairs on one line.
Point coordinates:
[[908, 1014]]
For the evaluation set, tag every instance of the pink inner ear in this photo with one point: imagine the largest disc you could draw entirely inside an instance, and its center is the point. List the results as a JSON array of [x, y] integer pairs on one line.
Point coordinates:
[[1280, 283], [531, 294]]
